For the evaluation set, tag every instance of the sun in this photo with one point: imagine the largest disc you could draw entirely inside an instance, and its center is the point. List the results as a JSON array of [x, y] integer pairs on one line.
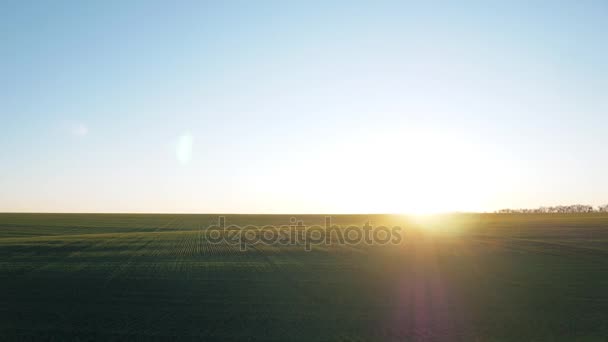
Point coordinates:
[[408, 171]]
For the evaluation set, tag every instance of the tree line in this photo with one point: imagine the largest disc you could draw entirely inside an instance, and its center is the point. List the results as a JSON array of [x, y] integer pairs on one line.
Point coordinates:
[[559, 209]]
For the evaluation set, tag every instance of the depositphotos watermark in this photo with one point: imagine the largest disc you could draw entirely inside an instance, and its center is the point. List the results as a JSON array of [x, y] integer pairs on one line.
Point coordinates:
[[296, 233]]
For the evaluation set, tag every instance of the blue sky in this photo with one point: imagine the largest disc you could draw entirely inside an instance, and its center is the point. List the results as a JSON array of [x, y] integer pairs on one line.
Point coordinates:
[[145, 106]]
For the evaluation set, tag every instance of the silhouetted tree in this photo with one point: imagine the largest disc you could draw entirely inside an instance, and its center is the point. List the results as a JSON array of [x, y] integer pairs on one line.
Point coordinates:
[[559, 209]]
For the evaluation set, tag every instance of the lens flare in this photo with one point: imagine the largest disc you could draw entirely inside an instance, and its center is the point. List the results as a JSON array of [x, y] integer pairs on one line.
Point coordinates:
[[183, 149]]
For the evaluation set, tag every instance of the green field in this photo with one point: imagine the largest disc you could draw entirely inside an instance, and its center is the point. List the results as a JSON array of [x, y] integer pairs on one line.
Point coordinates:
[[482, 277]]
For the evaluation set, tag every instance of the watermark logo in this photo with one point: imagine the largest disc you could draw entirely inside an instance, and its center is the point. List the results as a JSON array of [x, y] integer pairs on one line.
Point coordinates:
[[296, 233]]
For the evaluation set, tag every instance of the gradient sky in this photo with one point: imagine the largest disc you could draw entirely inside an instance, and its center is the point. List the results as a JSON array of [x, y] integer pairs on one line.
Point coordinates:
[[336, 107]]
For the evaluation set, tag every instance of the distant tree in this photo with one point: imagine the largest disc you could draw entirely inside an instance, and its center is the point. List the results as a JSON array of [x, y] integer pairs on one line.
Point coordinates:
[[559, 209]]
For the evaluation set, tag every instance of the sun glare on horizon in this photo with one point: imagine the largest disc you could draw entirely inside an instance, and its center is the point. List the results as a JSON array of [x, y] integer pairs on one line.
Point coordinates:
[[405, 170]]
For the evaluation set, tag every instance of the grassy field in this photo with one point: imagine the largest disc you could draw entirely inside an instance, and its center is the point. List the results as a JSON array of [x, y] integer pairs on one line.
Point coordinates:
[[463, 277]]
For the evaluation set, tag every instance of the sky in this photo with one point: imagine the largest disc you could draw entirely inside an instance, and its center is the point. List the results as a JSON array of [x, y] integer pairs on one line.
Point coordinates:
[[302, 107]]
